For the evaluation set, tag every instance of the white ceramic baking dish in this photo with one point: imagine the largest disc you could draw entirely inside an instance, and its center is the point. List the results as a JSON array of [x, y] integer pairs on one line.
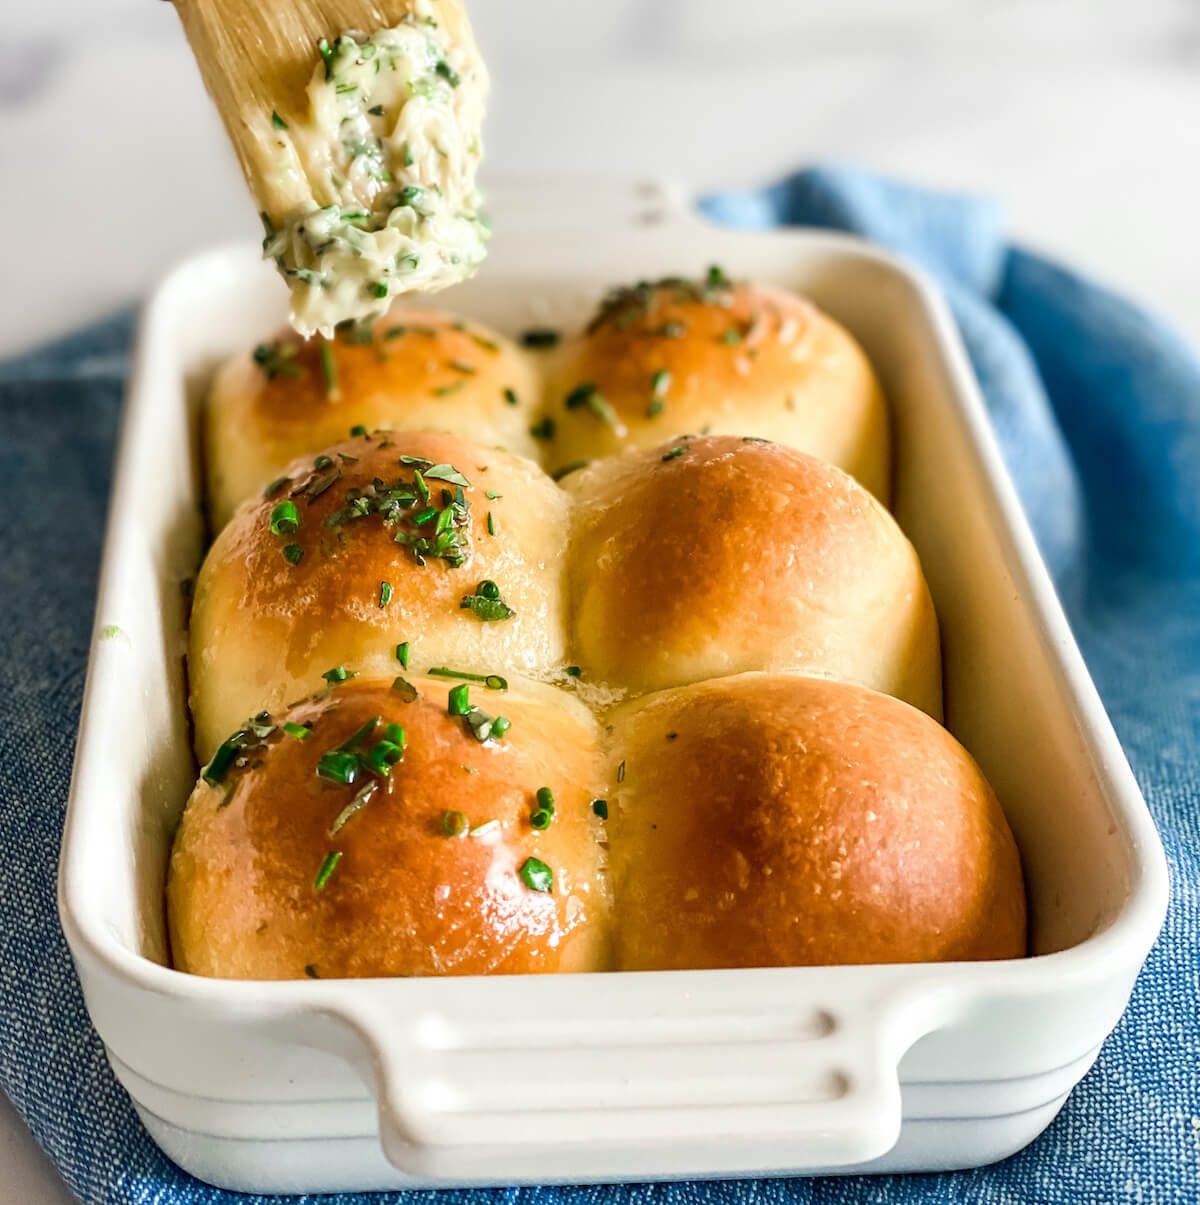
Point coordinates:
[[315, 1086]]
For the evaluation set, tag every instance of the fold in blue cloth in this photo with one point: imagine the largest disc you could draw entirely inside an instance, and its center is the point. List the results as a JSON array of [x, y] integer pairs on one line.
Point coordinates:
[[1098, 411]]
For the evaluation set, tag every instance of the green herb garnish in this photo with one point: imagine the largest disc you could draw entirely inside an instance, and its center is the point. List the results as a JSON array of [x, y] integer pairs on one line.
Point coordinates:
[[486, 603], [274, 487], [277, 360], [567, 469], [357, 430], [543, 430], [491, 524], [674, 453], [285, 518], [600, 808], [328, 866], [402, 650], [299, 731], [329, 370], [278, 121], [362, 797], [588, 395], [536, 875], [385, 594], [293, 554], [540, 337], [491, 681], [405, 689], [510, 396], [455, 824], [446, 72], [339, 674]]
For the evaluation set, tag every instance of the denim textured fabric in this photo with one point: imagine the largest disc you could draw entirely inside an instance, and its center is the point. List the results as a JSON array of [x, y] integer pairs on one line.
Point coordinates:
[[1097, 407]]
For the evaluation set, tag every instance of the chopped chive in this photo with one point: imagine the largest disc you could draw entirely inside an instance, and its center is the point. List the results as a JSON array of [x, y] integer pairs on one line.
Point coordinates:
[[716, 278], [402, 651], [510, 396], [543, 430], [731, 337], [311, 971], [378, 288], [492, 495], [358, 430], [338, 766], [600, 808], [486, 603], [448, 73], [459, 700], [455, 824], [491, 524], [491, 681], [293, 554], [470, 770], [405, 689], [278, 121], [674, 452], [361, 798], [536, 875], [382, 756], [540, 337], [500, 725], [285, 518], [299, 731], [540, 819], [446, 390], [338, 674], [545, 798], [329, 370], [463, 367], [376, 110], [574, 671], [385, 594], [660, 382], [396, 734], [332, 858], [654, 409], [271, 490], [621, 772]]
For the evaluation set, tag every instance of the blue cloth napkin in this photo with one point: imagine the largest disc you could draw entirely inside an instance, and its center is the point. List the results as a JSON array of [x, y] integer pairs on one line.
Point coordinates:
[[1098, 411]]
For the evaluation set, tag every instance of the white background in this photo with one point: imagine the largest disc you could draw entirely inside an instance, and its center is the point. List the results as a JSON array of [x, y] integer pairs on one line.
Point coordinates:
[[1083, 116]]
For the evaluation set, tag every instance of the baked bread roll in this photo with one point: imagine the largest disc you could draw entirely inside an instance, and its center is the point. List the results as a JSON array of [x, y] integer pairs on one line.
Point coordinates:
[[418, 537], [413, 370], [683, 357], [772, 820], [720, 554], [431, 860]]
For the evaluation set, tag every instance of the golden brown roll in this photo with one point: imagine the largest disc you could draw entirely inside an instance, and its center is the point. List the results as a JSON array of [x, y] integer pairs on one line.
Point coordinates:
[[772, 820], [331, 843], [688, 357], [413, 370], [720, 554], [418, 537]]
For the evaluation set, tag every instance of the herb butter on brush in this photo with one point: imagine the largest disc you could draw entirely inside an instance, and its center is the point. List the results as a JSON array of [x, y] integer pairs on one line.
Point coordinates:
[[373, 191], [360, 149]]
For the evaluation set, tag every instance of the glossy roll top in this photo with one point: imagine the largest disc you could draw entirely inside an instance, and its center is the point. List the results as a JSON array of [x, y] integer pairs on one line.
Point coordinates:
[[772, 820], [369, 832], [421, 537], [686, 356], [720, 554], [412, 370]]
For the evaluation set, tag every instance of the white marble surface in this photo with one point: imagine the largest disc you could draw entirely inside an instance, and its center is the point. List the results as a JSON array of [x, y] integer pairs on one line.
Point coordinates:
[[1083, 116]]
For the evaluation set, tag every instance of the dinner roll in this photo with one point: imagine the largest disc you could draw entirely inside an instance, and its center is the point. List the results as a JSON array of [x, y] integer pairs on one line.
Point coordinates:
[[329, 843], [413, 370], [719, 554], [775, 820], [680, 357], [419, 537]]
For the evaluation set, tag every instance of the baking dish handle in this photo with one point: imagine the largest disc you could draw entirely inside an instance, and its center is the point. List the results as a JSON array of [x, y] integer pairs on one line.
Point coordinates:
[[644, 1073]]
